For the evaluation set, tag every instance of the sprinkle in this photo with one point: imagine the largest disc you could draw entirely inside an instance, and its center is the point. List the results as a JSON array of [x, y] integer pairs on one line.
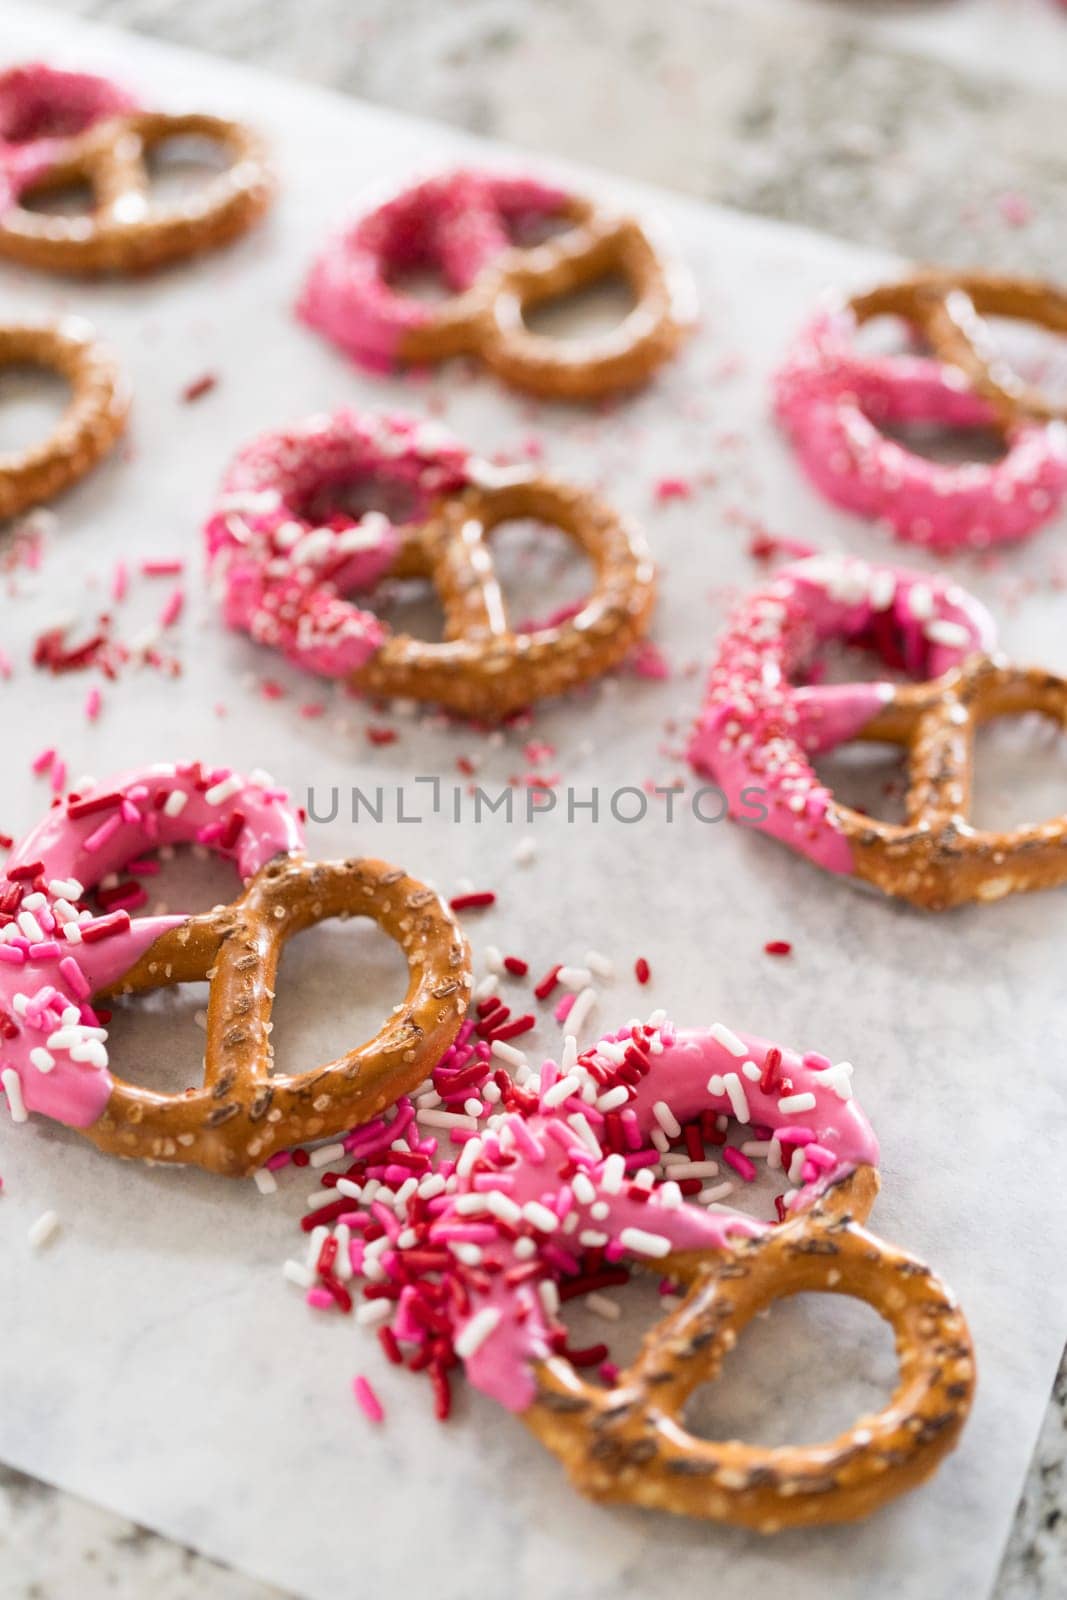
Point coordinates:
[[643, 1243], [367, 1400], [561, 1091], [667, 1119], [601, 1306], [93, 703], [175, 803], [224, 790], [735, 1093], [12, 1084], [473, 902], [42, 1059], [778, 947], [728, 1039], [326, 1155], [524, 852], [44, 1230], [476, 1332], [793, 1103], [548, 983], [642, 970], [298, 1273], [516, 967], [740, 1163], [580, 1012], [265, 1181], [540, 1216]]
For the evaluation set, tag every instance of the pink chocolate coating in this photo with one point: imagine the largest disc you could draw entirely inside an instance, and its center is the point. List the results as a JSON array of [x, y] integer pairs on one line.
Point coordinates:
[[833, 400], [545, 1186], [757, 730], [55, 953], [283, 573], [456, 223], [41, 108]]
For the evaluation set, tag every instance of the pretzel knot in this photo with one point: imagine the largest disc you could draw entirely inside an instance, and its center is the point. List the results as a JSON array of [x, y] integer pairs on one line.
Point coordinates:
[[52, 1042], [285, 565], [58, 129], [469, 226], [94, 419], [629, 1442], [759, 730], [834, 401]]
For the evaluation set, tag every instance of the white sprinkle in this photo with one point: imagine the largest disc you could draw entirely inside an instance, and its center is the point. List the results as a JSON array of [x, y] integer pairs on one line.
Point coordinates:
[[796, 1167], [524, 1248], [447, 1119], [560, 1091], [601, 1306], [584, 1191], [342, 1267], [729, 1040], [371, 1312], [581, 1127], [613, 1173], [643, 1243], [476, 1332], [580, 1011], [756, 1148], [666, 1119], [659, 1140], [42, 1059], [318, 1238], [502, 1206], [574, 977], [751, 1071], [65, 888], [695, 1169], [326, 1154], [942, 631], [468, 1156], [432, 1186], [570, 1053], [716, 1085], [507, 1052], [645, 1178], [350, 1190], [175, 803], [524, 852], [540, 1216], [13, 1089], [707, 1197], [469, 1254], [549, 1295], [793, 1103], [494, 958], [735, 1093], [838, 1078], [265, 1181], [592, 1239], [44, 1230], [614, 1098], [29, 927], [774, 1154], [224, 790], [486, 987], [471, 1205], [297, 1273], [599, 965]]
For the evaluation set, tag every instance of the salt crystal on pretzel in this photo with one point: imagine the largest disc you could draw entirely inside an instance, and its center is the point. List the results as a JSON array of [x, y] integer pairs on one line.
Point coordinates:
[[480, 1264], [58, 955], [285, 563], [468, 224], [834, 400]]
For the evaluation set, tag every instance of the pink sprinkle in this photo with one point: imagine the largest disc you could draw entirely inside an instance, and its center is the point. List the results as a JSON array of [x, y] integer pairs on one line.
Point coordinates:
[[6, 667], [319, 1299], [45, 950], [92, 704], [367, 1400], [312, 710], [672, 489], [173, 608], [740, 1163], [1015, 209], [12, 955], [77, 982], [647, 660], [120, 581], [43, 761], [59, 776], [100, 837], [163, 569], [563, 1009]]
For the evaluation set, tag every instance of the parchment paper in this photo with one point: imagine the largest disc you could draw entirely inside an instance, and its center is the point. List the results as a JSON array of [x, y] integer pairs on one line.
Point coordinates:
[[153, 1358]]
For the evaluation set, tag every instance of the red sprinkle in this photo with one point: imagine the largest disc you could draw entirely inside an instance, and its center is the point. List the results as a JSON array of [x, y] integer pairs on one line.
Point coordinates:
[[517, 967], [642, 970], [473, 902], [95, 803], [548, 982], [778, 947], [199, 387], [382, 735], [772, 1062]]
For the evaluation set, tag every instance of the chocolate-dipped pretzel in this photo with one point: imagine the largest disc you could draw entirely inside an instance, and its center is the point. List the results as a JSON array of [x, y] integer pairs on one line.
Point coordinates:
[[62, 958], [64, 135], [463, 224], [285, 565], [94, 419]]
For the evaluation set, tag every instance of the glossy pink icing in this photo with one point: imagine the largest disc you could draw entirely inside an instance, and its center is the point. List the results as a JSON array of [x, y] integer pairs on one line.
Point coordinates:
[[456, 223], [541, 1188], [43, 982], [757, 730], [284, 574], [833, 400], [41, 108]]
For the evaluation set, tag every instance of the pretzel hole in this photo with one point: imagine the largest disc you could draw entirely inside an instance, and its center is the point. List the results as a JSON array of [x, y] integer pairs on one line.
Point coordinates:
[[156, 1039], [72, 198], [968, 434], [337, 983], [597, 308], [179, 880], [534, 560], [869, 776], [1025, 353], [32, 401], [182, 165], [801, 1371], [1020, 771], [349, 499]]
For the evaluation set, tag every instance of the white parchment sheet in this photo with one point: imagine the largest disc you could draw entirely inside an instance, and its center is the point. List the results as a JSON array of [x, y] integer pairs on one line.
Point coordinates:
[[153, 1358]]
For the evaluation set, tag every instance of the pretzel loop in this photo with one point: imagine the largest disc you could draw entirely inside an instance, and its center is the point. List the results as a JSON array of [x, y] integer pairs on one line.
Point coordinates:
[[94, 420], [954, 323], [126, 230], [630, 1443], [485, 667], [244, 1111]]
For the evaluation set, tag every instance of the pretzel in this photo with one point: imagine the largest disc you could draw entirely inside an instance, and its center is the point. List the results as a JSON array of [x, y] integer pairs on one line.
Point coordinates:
[[757, 731], [833, 400], [555, 1200], [284, 566], [59, 958], [953, 323], [102, 139], [94, 420], [465, 225]]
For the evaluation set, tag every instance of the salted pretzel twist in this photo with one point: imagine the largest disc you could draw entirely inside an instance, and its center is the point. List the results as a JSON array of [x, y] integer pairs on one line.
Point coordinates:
[[467, 225], [835, 402], [629, 1442], [94, 420], [106, 143], [284, 569], [63, 959]]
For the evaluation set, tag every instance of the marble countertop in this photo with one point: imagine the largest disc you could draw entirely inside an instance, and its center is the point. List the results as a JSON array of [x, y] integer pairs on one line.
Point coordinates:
[[905, 126]]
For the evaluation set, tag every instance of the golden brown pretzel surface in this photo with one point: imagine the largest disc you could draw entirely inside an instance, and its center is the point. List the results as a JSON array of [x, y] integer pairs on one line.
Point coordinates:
[[92, 423], [245, 1111], [629, 1442]]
